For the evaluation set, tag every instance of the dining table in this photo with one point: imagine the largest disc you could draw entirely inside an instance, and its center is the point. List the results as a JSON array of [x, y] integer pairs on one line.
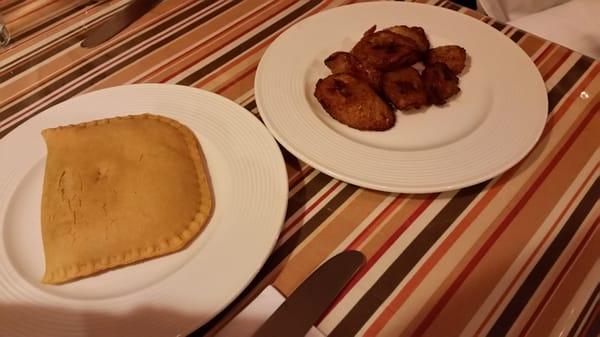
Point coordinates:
[[515, 255]]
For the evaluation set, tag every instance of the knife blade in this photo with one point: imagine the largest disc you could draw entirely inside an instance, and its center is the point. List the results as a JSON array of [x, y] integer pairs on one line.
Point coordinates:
[[116, 23], [308, 302]]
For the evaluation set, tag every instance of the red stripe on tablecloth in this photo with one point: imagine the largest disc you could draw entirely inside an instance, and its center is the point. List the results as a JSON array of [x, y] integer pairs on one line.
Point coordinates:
[[534, 253], [310, 208], [557, 65], [538, 60], [389, 209], [498, 232], [379, 253], [191, 51]]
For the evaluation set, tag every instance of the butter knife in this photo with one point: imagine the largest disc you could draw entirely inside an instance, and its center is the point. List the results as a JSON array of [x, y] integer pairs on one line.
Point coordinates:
[[116, 23], [310, 300]]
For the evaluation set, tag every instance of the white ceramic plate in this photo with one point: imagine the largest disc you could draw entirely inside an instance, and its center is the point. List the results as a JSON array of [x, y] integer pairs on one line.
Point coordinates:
[[166, 296], [493, 123]]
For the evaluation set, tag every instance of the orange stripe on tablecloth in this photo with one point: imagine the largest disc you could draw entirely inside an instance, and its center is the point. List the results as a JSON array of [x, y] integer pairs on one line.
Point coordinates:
[[560, 281], [418, 277], [594, 316], [255, 48], [325, 240], [247, 54], [544, 54], [10, 19], [473, 14], [575, 91], [108, 63], [129, 33], [236, 79], [213, 38], [499, 230], [389, 209], [530, 44], [48, 38], [302, 173], [308, 209], [122, 75], [535, 252], [558, 64], [234, 62], [435, 257], [382, 249], [202, 82]]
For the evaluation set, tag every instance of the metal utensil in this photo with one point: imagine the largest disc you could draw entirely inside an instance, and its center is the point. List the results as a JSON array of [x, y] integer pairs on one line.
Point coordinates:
[[116, 23], [308, 302]]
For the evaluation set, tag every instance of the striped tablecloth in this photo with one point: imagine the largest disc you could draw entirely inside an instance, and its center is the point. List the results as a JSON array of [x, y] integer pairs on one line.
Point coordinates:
[[514, 256]]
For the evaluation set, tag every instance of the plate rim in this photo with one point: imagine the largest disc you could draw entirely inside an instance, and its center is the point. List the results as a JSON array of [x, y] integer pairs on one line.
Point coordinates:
[[301, 154], [278, 176]]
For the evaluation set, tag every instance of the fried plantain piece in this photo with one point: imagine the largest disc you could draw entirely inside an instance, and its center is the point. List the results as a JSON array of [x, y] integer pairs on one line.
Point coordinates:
[[354, 103], [452, 56], [440, 83], [343, 62], [405, 89], [385, 50], [417, 34]]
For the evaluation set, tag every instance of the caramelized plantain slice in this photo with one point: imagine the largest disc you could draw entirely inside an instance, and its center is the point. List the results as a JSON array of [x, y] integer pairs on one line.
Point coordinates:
[[354, 103], [404, 88], [440, 83]]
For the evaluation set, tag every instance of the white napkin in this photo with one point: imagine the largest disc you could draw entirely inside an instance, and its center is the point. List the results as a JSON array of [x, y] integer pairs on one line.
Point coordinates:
[[256, 313], [574, 24]]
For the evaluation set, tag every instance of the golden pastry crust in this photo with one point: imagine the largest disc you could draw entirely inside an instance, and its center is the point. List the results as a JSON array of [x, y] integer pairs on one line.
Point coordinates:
[[120, 190]]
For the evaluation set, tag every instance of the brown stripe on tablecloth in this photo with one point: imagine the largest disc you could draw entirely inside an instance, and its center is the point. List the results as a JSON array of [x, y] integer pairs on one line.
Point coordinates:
[[311, 225], [237, 77], [391, 225], [9, 5], [195, 42], [452, 6], [587, 309], [297, 171], [393, 275], [307, 192], [282, 252], [517, 35], [566, 82], [327, 240], [488, 260], [191, 52], [569, 279], [197, 75], [251, 105], [20, 21], [50, 48], [498, 25], [555, 60], [64, 65], [497, 203], [507, 206], [477, 219], [592, 327], [381, 234], [516, 276], [546, 262], [531, 44], [43, 25], [130, 58], [475, 14]]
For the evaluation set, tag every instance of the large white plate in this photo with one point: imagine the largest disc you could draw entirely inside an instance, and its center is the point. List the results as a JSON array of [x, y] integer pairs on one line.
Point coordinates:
[[166, 296], [489, 127]]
